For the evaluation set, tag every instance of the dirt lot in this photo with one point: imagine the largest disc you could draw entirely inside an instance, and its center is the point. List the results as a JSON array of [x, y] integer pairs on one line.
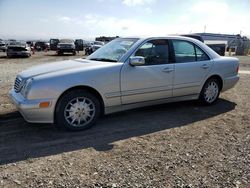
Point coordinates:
[[173, 145]]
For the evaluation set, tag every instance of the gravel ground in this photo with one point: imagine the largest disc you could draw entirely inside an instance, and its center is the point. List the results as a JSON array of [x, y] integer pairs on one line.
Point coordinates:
[[173, 145]]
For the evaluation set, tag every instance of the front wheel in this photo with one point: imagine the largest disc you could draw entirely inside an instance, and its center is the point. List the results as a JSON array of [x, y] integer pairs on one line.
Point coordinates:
[[77, 110], [210, 92]]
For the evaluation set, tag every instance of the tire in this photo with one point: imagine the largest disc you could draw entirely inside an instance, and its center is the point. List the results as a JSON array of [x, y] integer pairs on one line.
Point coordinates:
[[80, 105], [210, 92], [74, 53]]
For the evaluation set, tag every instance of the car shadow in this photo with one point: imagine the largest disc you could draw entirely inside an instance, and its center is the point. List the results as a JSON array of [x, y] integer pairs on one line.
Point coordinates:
[[3, 57], [14, 57], [20, 140], [56, 55]]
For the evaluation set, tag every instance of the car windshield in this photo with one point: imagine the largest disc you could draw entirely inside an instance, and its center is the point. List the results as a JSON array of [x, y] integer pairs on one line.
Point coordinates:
[[17, 43], [66, 41], [113, 51]]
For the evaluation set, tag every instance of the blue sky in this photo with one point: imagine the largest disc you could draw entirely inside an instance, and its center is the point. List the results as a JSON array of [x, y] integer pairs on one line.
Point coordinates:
[[44, 19]]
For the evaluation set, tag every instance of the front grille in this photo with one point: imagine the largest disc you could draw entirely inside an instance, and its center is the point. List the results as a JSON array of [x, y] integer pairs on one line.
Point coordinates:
[[65, 45], [18, 85]]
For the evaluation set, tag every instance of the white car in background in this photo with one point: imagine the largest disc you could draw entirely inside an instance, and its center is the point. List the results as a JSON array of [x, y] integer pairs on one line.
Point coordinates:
[[18, 49]]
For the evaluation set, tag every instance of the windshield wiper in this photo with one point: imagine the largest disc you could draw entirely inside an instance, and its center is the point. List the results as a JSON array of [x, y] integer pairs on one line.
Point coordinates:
[[103, 59]]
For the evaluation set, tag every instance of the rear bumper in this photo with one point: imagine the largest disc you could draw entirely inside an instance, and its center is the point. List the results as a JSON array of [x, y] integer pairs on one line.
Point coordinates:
[[230, 82], [30, 108]]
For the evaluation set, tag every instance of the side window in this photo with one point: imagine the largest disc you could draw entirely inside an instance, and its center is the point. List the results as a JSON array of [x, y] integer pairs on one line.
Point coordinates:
[[184, 51], [155, 52], [200, 55]]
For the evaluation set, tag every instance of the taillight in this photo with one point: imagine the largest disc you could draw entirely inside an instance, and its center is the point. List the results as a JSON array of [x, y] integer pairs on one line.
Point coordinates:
[[237, 70]]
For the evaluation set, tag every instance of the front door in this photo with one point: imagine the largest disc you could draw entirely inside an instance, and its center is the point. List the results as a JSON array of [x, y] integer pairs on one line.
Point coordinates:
[[151, 81], [53, 44], [79, 44]]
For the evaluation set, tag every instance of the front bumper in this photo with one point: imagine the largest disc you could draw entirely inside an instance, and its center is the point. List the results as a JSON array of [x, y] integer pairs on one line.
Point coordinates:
[[30, 109], [66, 50], [21, 53]]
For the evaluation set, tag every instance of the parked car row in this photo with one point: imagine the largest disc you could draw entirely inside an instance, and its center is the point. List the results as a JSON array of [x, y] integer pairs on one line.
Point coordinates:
[[61, 46]]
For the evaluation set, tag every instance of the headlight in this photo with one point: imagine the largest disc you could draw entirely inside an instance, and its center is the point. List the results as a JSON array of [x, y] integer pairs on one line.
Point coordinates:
[[27, 87]]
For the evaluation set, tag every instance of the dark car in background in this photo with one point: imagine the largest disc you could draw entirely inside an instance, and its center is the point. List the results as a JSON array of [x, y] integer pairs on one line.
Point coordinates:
[[93, 46], [41, 46], [31, 43], [18, 49], [216, 46], [66, 46]]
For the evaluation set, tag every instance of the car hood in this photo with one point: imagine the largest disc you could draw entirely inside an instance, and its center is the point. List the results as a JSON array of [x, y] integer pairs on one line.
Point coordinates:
[[67, 65], [18, 48]]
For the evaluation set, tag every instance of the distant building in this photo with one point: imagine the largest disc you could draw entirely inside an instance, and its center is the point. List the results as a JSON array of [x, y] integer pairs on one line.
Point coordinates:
[[235, 43], [105, 39]]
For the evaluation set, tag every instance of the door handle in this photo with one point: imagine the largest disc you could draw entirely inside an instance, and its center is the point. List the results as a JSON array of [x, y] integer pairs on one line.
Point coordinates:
[[167, 70], [204, 66]]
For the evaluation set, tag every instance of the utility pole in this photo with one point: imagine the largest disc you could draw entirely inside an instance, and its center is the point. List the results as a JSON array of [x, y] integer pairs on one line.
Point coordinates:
[[205, 27]]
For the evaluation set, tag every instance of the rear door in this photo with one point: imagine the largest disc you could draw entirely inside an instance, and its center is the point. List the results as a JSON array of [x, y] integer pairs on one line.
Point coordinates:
[[191, 68]]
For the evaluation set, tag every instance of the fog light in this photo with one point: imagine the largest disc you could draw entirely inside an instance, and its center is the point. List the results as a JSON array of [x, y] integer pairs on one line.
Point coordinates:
[[44, 104]]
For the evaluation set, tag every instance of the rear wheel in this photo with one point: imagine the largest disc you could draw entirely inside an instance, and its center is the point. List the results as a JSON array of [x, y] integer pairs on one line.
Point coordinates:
[[210, 92], [77, 110]]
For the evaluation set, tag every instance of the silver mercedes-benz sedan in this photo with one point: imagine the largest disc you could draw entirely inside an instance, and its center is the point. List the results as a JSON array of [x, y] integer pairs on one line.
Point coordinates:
[[125, 73]]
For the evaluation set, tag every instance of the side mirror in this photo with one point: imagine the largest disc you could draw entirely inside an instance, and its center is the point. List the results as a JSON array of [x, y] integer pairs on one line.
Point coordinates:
[[137, 61]]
